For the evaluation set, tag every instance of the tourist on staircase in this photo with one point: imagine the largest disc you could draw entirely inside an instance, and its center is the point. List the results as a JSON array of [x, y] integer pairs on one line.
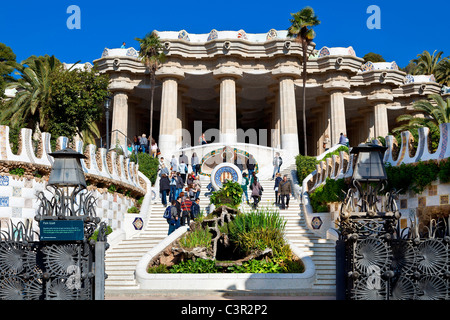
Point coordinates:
[[251, 163], [173, 186], [180, 184], [244, 185], [285, 191], [195, 163], [164, 188], [276, 187], [257, 190], [195, 209], [186, 205], [174, 220], [277, 162]]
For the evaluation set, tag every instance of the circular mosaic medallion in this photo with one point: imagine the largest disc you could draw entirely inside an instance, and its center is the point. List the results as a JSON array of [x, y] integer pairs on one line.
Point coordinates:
[[223, 172]]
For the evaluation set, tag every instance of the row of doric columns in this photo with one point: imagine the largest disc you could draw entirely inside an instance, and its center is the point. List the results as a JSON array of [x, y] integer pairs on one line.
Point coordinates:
[[330, 116]]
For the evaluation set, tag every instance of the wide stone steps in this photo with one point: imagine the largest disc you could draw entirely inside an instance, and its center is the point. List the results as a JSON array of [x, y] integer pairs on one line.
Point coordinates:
[[121, 260]]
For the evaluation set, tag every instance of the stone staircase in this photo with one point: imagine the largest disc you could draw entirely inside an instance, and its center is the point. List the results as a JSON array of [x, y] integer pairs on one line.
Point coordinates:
[[122, 259], [322, 251]]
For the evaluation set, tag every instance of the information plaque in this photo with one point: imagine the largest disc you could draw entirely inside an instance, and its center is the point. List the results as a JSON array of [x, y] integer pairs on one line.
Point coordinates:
[[61, 230]]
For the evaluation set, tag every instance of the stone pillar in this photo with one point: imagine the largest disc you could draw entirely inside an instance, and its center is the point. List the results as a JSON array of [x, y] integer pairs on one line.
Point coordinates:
[[168, 124], [337, 116], [227, 120], [119, 128], [288, 115], [381, 120], [275, 120], [227, 75]]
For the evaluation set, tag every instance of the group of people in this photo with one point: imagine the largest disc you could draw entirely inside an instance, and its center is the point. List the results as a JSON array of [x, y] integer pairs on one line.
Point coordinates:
[[181, 211], [183, 189], [283, 191], [142, 144]]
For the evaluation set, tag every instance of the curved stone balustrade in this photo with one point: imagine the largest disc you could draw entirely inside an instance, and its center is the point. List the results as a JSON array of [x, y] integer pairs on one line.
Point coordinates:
[[341, 166], [99, 163]]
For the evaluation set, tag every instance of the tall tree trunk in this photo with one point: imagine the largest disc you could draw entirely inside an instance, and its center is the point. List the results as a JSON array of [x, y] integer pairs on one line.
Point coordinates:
[[304, 47], [151, 105]]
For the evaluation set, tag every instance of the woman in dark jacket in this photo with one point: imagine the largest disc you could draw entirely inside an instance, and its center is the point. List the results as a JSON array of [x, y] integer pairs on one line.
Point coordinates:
[[164, 188], [257, 190]]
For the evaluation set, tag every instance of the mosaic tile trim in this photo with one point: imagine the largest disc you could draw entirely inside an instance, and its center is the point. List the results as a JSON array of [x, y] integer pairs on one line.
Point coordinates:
[[218, 151], [444, 138], [4, 181], [213, 35], [4, 201]]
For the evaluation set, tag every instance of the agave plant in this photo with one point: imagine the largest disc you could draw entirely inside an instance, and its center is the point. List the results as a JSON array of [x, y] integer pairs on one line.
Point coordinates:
[[301, 29]]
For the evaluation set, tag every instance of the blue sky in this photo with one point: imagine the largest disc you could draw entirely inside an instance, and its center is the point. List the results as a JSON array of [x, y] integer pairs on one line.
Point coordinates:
[[39, 27]]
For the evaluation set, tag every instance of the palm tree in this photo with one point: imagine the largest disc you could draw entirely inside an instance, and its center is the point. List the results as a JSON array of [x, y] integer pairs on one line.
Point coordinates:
[[427, 63], [151, 52], [436, 111], [301, 29], [33, 91], [443, 72]]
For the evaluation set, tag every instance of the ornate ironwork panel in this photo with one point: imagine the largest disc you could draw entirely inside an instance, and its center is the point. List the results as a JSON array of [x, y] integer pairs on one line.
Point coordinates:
[[37, 270]]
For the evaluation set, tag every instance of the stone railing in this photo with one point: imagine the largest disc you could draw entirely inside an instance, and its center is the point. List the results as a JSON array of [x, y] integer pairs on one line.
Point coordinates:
[[99, 166], [341, 166], [18, 200]]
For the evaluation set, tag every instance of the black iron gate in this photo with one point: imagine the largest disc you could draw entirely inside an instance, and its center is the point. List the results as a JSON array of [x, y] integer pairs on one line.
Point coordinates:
[[46, 270], [380, 268]]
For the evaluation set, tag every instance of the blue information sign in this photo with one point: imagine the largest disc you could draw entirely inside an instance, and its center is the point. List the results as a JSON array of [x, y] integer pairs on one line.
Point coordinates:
[[61, 230]]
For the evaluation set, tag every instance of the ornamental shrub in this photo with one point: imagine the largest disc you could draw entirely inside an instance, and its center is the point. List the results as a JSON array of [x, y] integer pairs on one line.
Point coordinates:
[[305, 165], [331, 191], [230, 195], [147, 165], [258, 230]]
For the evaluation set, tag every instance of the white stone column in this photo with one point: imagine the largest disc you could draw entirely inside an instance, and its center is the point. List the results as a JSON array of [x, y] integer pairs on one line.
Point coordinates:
[[227, 121], [381, 120], [168, 122], [288, 115], [337, 116], [119, 128]]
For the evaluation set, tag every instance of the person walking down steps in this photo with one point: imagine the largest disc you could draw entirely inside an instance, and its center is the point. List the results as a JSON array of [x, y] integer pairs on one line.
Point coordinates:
[[285, 191]]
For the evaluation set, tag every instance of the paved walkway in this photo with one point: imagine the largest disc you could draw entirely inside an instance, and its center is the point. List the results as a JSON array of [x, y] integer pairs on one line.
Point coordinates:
[[214, 296]]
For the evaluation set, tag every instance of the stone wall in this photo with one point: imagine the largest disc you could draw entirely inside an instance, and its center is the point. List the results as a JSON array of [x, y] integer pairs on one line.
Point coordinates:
[[18, 192], [433, 201]]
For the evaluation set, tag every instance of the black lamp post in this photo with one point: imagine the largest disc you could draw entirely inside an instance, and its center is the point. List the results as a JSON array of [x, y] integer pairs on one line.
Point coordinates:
[[70, 200], [107, 109], [368, 180]]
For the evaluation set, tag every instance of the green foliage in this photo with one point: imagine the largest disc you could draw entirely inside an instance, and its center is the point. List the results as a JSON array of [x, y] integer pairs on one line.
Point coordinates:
[[76, 103], [17, 171], [335, 152], [133, 209], [147, 165], [230, 194], [444, 172], [424, 174], [197, 238], [373, 57], [305, 165], [7, 63], [414, 177], [331, 191], [95, 234], [112, 188], [197, 266], [400, 177], [257, 266], [258, 230], [161, 268]]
